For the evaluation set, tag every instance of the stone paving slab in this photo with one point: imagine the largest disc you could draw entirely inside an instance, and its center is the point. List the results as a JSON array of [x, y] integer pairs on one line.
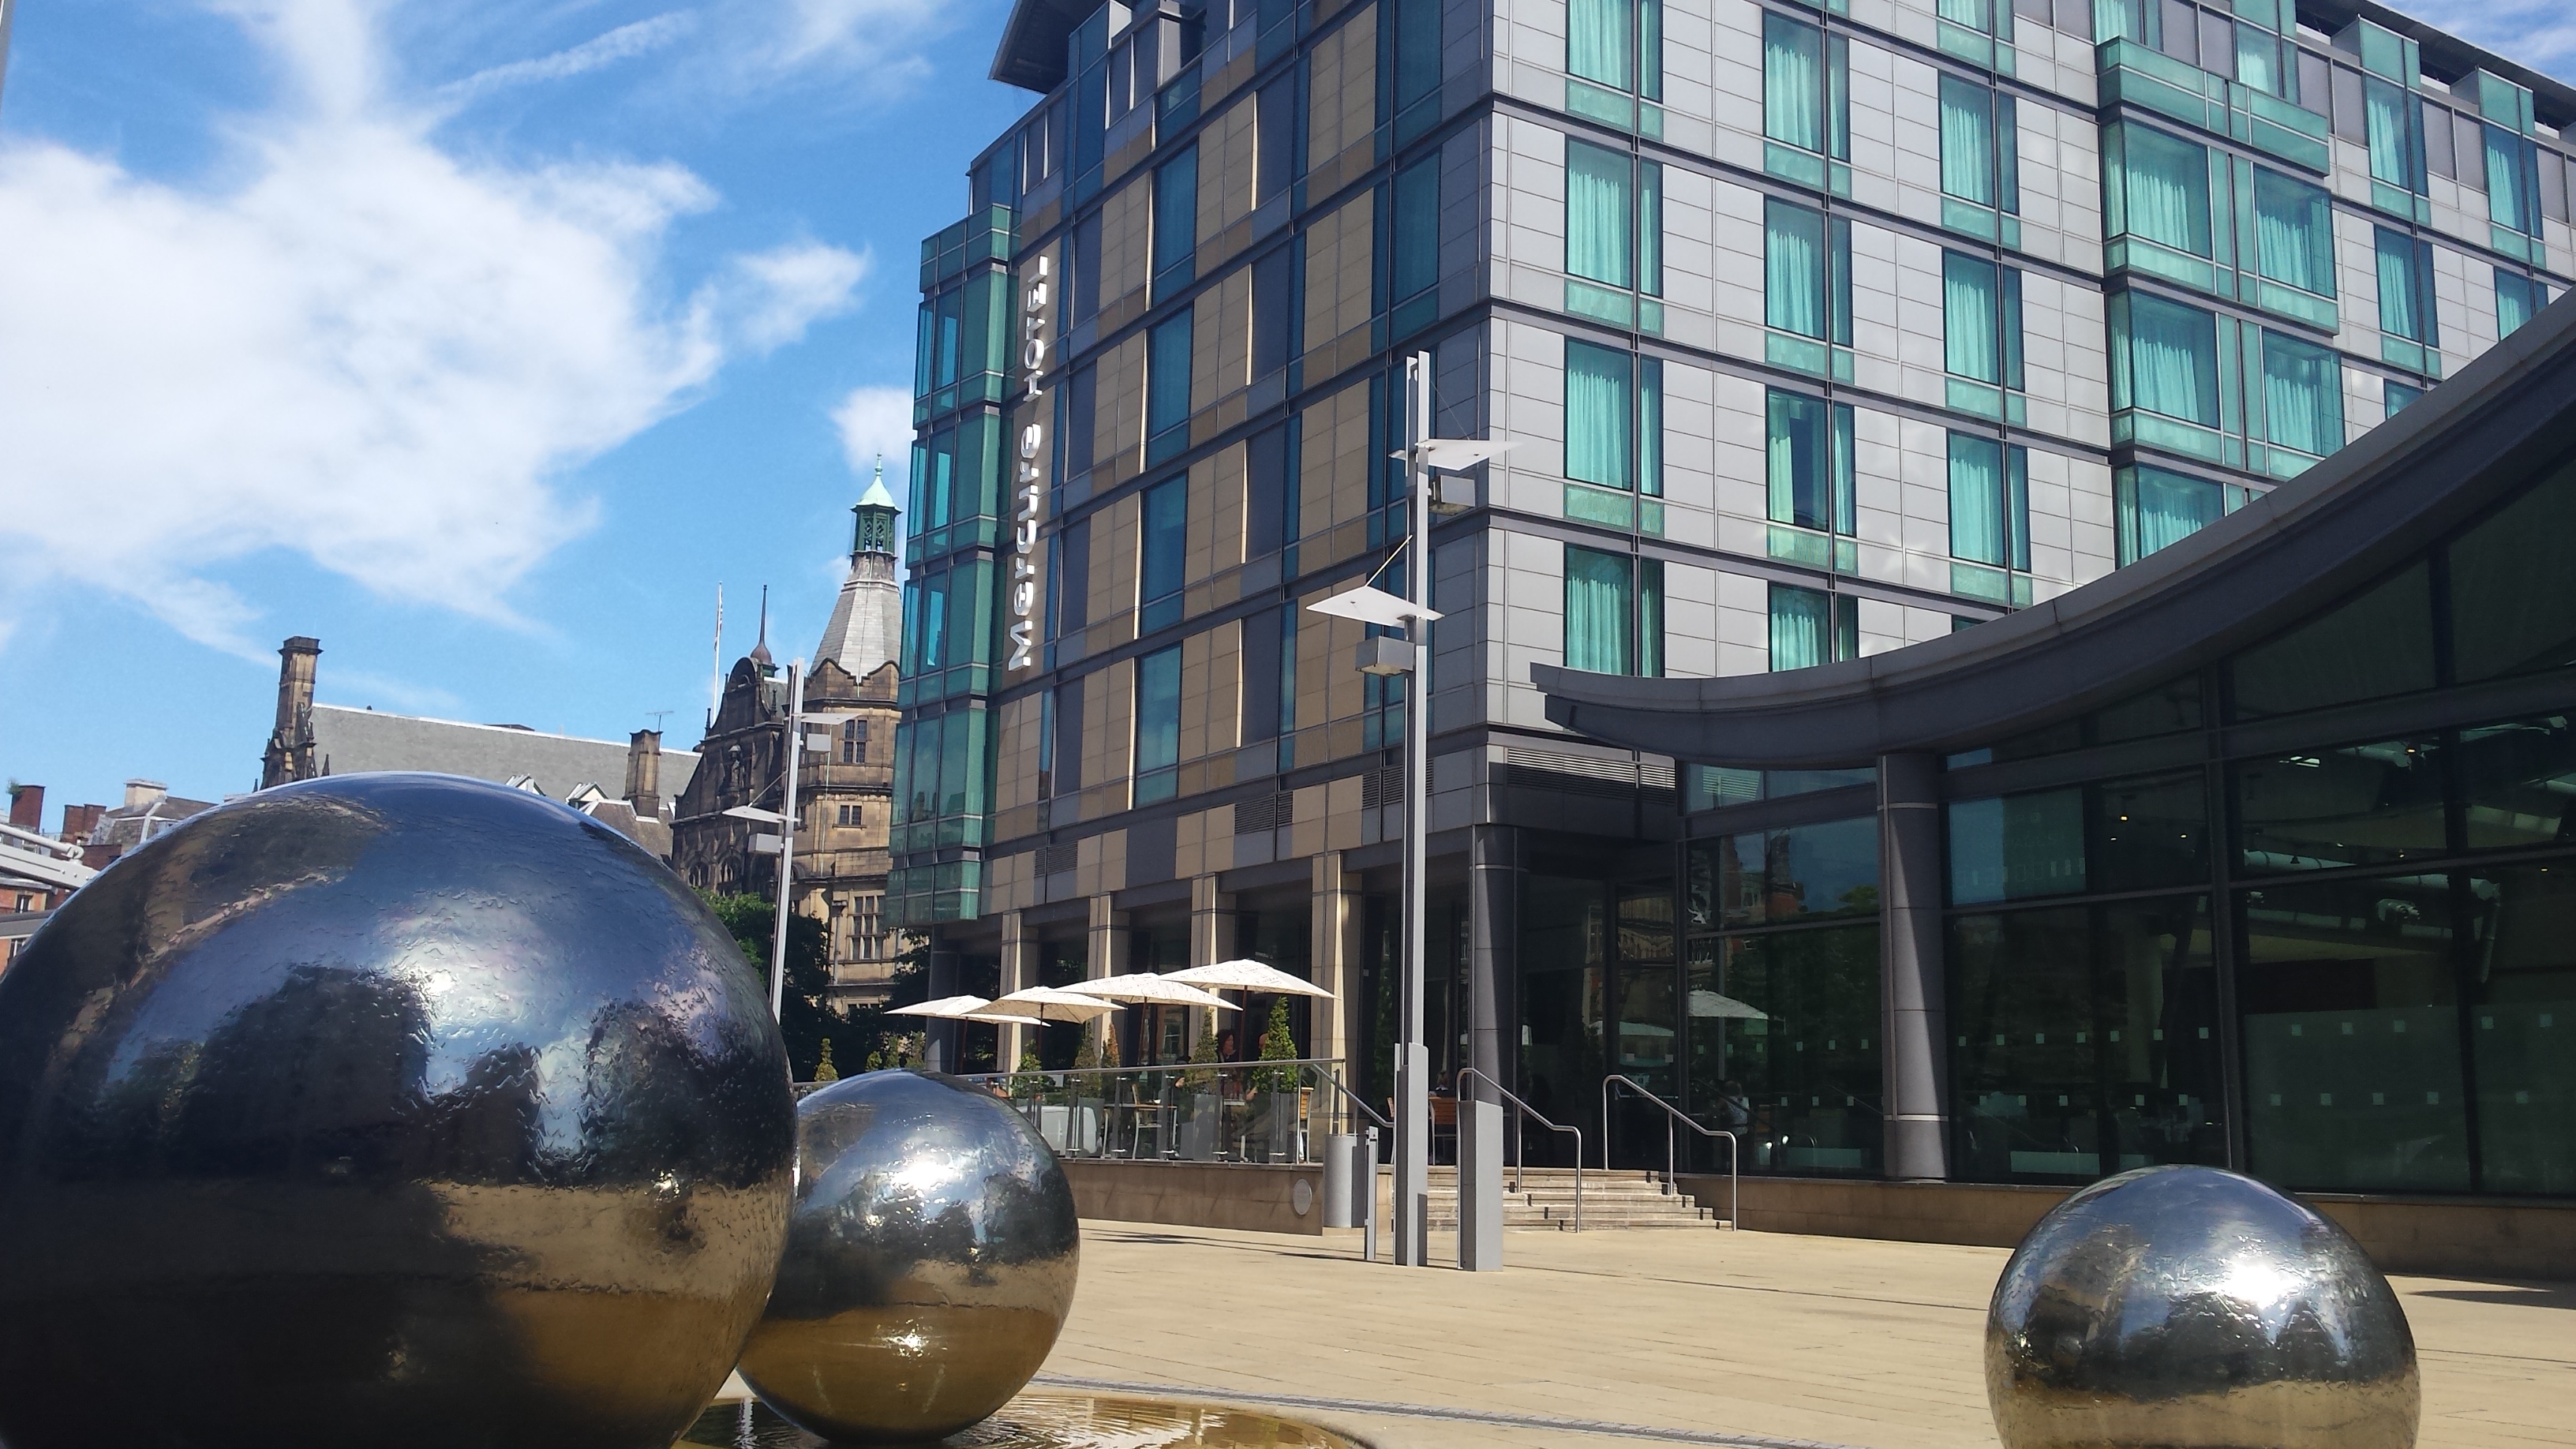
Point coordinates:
[[1596, 1339]]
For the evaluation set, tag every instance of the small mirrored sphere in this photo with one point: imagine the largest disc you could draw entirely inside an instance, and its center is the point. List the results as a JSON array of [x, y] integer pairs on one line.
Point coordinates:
[[930, 1262], [2196, 1308], [397, 1110]]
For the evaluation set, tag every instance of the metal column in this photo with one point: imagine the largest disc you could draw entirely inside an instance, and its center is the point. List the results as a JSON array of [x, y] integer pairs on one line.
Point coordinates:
[[1914, 997]]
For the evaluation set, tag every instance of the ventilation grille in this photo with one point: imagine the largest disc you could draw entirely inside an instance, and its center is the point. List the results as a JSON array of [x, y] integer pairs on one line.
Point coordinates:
[[1573, 774], [1053, 859], [1564, 763], [1264, 812], [1382, 787]]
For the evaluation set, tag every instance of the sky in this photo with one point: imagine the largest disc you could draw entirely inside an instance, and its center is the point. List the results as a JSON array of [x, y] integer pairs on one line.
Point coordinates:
[[481, 341]]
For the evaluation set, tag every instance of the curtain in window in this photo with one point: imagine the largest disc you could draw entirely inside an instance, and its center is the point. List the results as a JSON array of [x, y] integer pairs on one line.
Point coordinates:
[[2401, 299], [1650, 228], [1967, 140], [2384, 113], [1597, 213], [1596, 610], [1597, 430], [2517, 300], [2173, 359], [1969, 326], [2163, 508], [2395, 395], [2508, 190], [2117, 20], [1796, 461], [1801, 627], [1792, 82], [2293, 233], [2302, 395], [1977, 15], [2258, 59], [1793, 268], [1597, 39], [1977, 500]]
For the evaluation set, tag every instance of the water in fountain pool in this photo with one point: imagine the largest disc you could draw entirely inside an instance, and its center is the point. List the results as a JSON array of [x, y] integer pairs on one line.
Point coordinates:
[[1048, 1421]]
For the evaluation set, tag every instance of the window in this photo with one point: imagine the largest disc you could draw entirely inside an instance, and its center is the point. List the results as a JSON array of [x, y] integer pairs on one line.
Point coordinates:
[[1417, 51], [1810, 627], [1806, 272], [1989, 502], [1416, 239], [1614, 418], [1617, 43], [1806, 88], [2258, 60], [1803, 873], [1981, 319], [2405, 287], [1161, 570], [2293, 233], [1809, 462], [1176, 220], [2158, 507], [1167, 389], [1614, 218], [2395, 395], [1977, 15], [2513, 181], [2302, 395], [1978, 148], [1158, 724], [1614, 612], [2518, 300], [2164, 188], [854, 741], [2396, 142], [2168, 362]]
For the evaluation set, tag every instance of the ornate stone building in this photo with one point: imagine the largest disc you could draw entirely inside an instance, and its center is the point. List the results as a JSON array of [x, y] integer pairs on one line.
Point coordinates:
[[845, 782]]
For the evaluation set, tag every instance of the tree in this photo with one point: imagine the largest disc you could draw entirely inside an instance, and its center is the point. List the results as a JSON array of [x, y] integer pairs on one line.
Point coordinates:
[[1278, 1044], [824, 1071], [802, 1018]]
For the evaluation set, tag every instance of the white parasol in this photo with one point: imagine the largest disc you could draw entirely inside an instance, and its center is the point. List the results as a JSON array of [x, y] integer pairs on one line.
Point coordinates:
[[1147, 987], [1045, 1003], [946, 1008], [1248, 976]]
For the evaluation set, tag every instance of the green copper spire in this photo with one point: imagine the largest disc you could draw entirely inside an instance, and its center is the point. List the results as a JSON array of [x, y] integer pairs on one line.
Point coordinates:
[[876, 511]]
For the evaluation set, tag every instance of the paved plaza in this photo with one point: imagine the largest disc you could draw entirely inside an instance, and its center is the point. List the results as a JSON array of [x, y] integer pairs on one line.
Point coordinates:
[[1676, 1337]]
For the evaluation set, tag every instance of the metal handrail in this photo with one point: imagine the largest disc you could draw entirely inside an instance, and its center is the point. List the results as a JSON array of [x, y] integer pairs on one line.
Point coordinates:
[[1672, 1114], [1537, 1116]]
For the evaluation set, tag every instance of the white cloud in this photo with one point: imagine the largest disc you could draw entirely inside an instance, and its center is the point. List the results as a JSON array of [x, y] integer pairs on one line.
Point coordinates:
[[880, 36], [2538, 33], [877, 422], [623, 43], [364, 350]]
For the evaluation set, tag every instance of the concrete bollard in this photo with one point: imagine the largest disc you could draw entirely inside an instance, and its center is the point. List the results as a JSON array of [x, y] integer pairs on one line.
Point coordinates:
[[1480, 1186], [1340, 1203]]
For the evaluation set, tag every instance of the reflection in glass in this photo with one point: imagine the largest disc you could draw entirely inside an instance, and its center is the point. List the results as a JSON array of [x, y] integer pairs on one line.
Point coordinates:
[[2518, 783], [1783, 1047], [2358, 805], [1563, 950], [1646, 1018], [2351, 1036], [2084, 1040], [2505, 616], [2377, 644], [2522, 1026]]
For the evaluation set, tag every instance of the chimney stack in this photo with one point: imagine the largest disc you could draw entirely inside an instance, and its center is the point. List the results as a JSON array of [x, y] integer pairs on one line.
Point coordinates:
[[80, 820], [27, 807], [644, 773], [139, 793], [290, 754]]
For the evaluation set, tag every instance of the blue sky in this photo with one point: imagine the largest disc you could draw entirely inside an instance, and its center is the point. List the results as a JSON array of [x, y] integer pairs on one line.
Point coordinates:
[[481, 341]]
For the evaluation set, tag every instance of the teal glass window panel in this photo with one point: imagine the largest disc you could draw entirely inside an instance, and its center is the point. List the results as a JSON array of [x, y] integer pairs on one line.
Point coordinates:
[[1163, 568], [1798, 463], [2405, 299], [2396, 153], [1650, 426], [1176, 212], [1599, 427], [960, 756], [1838, 272], [1977, 15], [2293, 233], [2171, 360], [2376, 644], [2395, 395], [1838, 98], [1416, 40], [2165, 183], [2522, 933], [1650, 49], [2158, 508], [2512, 199], [1167, 374], [925, 349], [2518, 300], [1977, 499], [1600, 42], [1967, 140], [1650, 228], [2017, 516], [2120, 20], [1793, 82], [2016, 847], [1599, 212], [1650, 617], [1802, 627], [1971, 318], [2258, 59], [2511, 610], [2008, 162], [1597, 610], [1416, 233], [1158, 710], [2302, 394], [2349, 1022], [1793, 268]]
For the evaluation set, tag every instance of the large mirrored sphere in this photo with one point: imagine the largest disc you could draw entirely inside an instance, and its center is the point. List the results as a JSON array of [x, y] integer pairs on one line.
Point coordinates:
[[930, 1262], [384, 1110], [2197, 1309]]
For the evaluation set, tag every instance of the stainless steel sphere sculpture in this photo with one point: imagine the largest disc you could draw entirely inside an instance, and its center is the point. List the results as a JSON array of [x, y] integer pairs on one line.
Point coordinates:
[[930, 1262], [2198, 1309], [397, 1110]]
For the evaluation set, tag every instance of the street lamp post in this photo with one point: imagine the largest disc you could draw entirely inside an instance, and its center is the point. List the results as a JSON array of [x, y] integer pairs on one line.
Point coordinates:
[[1411, 657], [783, 844]]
